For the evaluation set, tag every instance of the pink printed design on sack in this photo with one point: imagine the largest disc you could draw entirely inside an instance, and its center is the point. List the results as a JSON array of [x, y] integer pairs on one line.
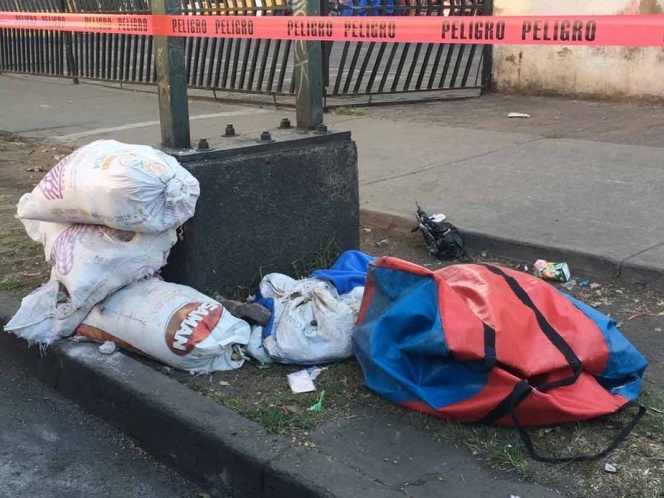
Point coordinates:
[[51, 184], [62, 253]]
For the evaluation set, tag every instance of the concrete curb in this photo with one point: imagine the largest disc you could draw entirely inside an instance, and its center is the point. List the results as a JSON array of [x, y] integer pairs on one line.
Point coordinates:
[[527, 253], [223, 452]]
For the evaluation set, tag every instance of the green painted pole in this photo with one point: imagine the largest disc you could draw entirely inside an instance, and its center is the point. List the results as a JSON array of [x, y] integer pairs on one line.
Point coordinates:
[[171, 83], [308, 72]]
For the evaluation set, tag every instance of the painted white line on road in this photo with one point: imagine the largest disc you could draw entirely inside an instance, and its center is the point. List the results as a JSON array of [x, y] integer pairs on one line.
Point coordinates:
[[144, 124]]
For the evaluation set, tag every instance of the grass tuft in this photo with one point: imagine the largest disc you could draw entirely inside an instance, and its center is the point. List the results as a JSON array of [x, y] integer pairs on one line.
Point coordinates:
[[11, 284], [324, 258], [349, 111]]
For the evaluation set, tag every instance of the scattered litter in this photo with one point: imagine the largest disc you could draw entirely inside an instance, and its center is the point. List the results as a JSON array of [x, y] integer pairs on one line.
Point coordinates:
[[30, 273], [368, 230], [595, 286], [584, 283], [300, 382], [304, 379], [314, 372], [551, 271], [619, 291], [108, 347], [658, 329], [610, 468], [522, 115], [187, 330], [318, 405], [294, 408], [569, 285], [441, 238], [40, 168], [525, 268], [484, 254], [224, 383], [515, 496], [382, 242]]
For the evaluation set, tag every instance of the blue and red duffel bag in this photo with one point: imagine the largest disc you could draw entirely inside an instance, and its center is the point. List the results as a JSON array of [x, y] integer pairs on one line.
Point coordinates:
[[487, 344]]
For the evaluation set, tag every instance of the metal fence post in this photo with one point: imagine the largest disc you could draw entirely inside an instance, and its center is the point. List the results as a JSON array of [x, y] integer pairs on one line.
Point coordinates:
[[69, 48], [487, 55], [171, 83], [308, 72]]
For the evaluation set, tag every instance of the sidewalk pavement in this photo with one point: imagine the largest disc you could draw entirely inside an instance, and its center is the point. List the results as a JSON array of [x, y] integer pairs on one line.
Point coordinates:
[[575, 177]]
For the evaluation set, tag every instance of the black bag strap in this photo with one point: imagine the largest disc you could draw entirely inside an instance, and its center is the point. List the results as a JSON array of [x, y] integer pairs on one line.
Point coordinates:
[[490, 360], [489, 348], [520, 392], [522, 389], [551, 333], [620, 437]]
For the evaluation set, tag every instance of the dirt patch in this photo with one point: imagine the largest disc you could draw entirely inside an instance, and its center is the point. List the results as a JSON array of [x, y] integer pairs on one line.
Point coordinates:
[[23, 163], [650, 7]]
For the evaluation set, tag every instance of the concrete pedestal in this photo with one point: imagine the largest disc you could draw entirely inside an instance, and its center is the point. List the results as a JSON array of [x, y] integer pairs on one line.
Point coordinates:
[[265, 205]]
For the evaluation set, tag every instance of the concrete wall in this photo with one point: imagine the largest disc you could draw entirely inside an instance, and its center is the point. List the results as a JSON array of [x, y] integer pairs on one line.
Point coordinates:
[[603, 72]]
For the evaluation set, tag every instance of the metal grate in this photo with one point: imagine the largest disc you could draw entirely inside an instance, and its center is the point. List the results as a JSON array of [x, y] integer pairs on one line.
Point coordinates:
[[252, 66]]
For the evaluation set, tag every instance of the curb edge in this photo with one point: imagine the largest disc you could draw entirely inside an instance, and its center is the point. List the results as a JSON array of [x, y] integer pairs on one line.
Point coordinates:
[[527, 252]]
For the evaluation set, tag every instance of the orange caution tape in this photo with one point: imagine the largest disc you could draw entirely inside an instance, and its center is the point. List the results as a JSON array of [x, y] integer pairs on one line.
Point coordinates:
[[626, 31]]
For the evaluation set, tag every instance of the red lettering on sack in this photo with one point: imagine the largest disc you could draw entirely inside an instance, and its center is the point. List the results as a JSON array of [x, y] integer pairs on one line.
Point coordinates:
[[192, 324]]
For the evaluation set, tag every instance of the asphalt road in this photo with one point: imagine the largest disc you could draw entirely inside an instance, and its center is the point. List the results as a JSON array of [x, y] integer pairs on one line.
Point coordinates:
[[50, 448]]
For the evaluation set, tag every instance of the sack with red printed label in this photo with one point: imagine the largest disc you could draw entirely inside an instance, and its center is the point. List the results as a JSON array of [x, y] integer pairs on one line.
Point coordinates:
[[170, 323]]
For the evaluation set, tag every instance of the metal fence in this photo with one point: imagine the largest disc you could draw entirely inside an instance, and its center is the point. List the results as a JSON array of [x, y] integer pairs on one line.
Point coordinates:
[[251, 66]]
